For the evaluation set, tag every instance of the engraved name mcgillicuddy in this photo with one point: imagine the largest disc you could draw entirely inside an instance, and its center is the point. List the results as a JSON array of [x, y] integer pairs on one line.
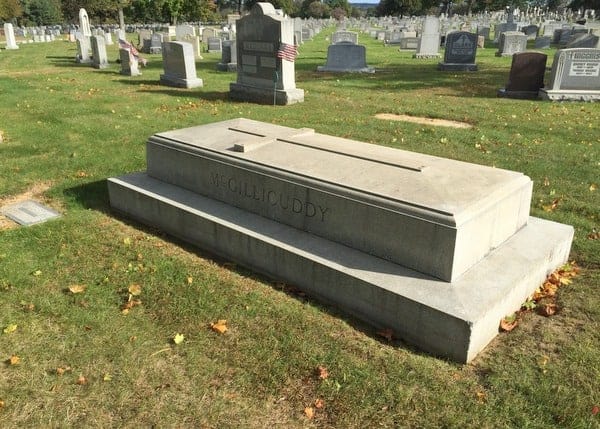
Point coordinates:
[[268, 196]]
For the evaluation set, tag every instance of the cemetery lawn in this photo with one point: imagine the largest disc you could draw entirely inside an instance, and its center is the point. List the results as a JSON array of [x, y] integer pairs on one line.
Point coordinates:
[[90, 303]]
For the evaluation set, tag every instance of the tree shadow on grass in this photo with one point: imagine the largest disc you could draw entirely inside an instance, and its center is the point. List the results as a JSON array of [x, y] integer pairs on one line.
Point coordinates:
[[94, 196]]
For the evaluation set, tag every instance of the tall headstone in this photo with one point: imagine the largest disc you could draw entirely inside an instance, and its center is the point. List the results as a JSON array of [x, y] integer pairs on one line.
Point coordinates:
[[526, 76], [84, 23], [99, 58], [511, 42], [156, 43], [179, 65], [129, 63], [575, 76], [9, 33], [266, 72], [429, 43], [460, 52], [83, 49]]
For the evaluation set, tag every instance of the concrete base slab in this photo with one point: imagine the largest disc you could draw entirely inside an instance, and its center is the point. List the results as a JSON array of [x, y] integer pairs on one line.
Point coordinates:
[[569, 95], [254, 94], [457, 67], [453, 320], [180, 83]]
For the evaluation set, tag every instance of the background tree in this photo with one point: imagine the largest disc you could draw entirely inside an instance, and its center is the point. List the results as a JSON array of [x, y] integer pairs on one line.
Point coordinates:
[[42, 12], [10, 10], [287, 6], [398, 7]]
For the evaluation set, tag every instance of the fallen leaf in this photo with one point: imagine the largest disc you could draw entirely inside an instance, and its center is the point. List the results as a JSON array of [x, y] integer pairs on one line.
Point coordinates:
[[594, 235], [319, 404], [190, 280], [593, 187], [548, 309], [1, 404], [178, 338], [219, 327], [127, 241], [37, 273], [10, 328], [14, 360], [546, 181], [309, 412], [81, 380], [107, 377], [322, 372], [481, 397], [81, 174], [552, 206], [595, 410], [135, 289], [387, 333], [508, 324], [27, 306], [77, 288]]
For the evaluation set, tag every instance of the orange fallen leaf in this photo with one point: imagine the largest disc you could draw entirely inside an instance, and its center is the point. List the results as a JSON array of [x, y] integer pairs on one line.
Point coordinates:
[[322, 372], [81, 380], [481, 397], [508, 324], [319, 403], [595, 410], [219, 327], [14, 360], [77, 288], [81, 174], [387, 333], [548, 309], [593, 187], [309, 412]]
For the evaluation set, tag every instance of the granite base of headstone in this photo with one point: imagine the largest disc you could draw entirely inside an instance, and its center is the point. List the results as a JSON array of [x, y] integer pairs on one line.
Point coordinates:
[[444, 257], [179, 66], [526, 76], [346, 57], [575, 76], [460, 52]]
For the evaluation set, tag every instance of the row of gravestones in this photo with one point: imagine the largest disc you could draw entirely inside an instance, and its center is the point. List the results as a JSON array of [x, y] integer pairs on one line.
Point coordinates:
[[263, 74]]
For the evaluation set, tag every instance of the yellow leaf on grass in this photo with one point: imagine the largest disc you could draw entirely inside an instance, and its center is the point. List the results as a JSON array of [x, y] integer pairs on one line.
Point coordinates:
[[107, 377], [219, 327], [190, 280], [77, 288], [593, 187], [37, 273], [135, 289], [14, 360], [10, 328], [178, 338], [1, 404], [309, 412]]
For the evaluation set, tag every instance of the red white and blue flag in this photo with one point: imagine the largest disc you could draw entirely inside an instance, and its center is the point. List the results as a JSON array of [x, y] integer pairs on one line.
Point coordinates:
[[287, 52]]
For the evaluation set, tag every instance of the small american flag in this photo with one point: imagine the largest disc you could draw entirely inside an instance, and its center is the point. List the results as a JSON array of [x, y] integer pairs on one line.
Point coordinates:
[[124, 44], [287, 52]]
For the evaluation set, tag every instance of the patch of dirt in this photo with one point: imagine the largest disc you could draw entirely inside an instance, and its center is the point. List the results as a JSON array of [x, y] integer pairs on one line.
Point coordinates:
[[423, 121], [33, 193]]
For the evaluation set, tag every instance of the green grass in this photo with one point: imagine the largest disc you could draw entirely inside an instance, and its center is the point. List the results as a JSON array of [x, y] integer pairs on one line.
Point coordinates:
[[68, 127]]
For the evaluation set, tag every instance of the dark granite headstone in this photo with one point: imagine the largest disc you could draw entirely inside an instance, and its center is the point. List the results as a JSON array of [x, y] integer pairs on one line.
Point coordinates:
[[461, 48], [526, 76]]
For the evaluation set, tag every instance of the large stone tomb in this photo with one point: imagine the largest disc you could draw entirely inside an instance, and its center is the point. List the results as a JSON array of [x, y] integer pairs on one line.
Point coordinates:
[[460, 52], [526, 76], [575, 76], [376, 231], [263, 77]]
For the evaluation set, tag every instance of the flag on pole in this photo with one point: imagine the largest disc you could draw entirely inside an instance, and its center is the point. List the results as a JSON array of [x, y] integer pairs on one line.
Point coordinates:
[[287, 52]]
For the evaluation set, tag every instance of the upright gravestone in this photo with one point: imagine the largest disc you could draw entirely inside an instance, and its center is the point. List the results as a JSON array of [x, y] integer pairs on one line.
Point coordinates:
[[575, 76], [99, 57], [346, 57], [214, 45], [344, 36], [129, 63], [526, 76], [266, 56], [179, 65], [460, 52], [584, 41], [429, 43], [156, 43], [542, 42], [9, 33], [84, 23], [228, 57], [83, 49], [511, 42]]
